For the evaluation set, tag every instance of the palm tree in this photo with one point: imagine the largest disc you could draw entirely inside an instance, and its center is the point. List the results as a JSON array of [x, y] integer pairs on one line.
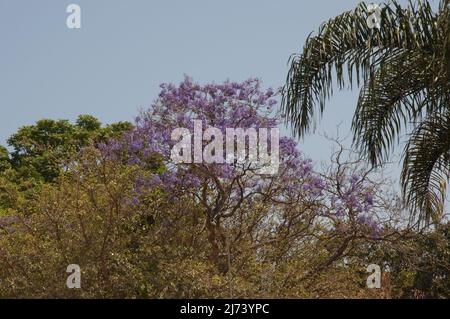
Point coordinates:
[[403, 64]]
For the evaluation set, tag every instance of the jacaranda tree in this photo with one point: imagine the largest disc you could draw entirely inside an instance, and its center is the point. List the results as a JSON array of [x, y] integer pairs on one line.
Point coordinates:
[[286, 202]]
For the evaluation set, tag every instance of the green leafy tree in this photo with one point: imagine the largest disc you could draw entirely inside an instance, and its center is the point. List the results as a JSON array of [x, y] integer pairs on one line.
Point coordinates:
[[4, 159], [41, 150], [405, 69]]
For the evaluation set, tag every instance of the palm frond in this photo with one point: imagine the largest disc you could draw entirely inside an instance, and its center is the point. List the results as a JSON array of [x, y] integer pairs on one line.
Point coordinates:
[[348, 41], [405, 68], [426, 169], [389, 101]]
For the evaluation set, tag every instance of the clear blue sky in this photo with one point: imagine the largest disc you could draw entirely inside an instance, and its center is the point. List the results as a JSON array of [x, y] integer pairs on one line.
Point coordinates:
[[126, 48]]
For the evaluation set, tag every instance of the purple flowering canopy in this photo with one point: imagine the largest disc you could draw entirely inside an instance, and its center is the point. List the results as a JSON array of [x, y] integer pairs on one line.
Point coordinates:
[[222, 189]]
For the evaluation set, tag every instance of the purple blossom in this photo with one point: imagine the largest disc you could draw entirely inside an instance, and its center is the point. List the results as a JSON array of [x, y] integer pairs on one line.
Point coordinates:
[[225, 105], [371, 224], [368, 199], [340, 212]]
